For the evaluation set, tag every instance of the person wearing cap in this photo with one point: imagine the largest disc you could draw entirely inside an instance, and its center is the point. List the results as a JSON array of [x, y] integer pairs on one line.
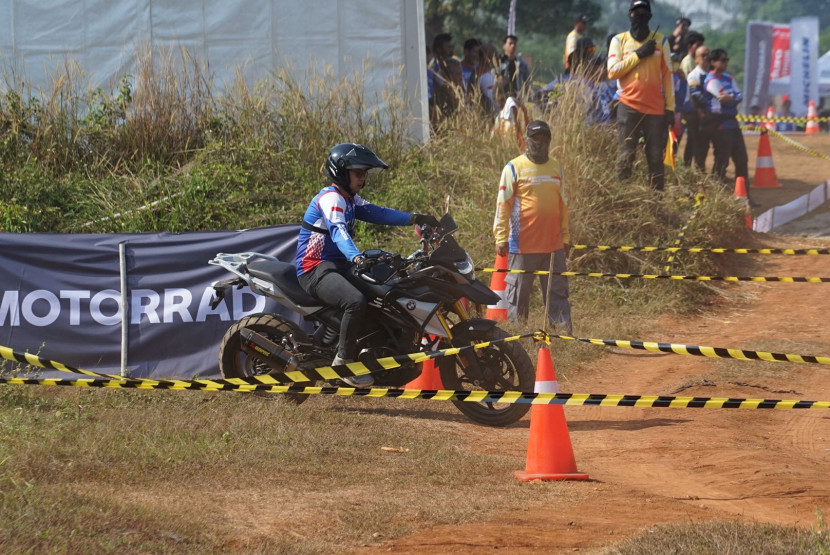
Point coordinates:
[[580, 24], [641, 61], [531, 228]]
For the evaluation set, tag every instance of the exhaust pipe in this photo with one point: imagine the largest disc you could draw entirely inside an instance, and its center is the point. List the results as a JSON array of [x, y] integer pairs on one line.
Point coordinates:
[[274, 356]]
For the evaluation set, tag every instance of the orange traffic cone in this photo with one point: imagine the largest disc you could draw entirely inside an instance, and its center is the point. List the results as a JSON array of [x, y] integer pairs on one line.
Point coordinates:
[[740, 188], [740, 193], [770, 123], [498, 312], [764, 165], [550, 455], [812, 123], [430, 378]]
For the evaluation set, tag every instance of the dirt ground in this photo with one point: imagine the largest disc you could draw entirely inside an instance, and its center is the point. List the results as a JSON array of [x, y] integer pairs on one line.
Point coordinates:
[[657, 466]]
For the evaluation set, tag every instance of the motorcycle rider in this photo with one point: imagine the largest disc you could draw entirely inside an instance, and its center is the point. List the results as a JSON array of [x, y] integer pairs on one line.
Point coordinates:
[[326, 250]]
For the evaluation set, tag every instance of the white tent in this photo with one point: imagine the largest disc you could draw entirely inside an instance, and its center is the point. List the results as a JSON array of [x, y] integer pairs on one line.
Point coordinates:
[[782, 86], [384, 41]]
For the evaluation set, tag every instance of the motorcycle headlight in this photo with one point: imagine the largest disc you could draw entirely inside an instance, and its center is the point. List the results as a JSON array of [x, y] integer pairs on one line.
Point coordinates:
[[466, 268]]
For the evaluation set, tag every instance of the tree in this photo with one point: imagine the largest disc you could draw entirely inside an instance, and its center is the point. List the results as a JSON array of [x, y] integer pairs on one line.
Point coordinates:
[[541, 25], [782, 11], [487, 19]]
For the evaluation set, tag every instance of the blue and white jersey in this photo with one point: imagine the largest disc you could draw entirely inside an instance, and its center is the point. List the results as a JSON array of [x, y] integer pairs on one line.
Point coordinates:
[[717, 86], [332, 215]]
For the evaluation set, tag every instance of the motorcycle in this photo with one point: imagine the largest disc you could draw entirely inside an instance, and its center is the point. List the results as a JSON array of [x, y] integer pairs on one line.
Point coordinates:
[[414, 304]]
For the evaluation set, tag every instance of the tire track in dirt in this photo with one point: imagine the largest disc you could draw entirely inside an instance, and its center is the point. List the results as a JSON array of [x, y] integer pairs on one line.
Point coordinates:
[[654, 466]]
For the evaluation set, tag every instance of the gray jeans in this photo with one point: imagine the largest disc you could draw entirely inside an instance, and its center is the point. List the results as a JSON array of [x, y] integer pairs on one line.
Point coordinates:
[[519, 287]]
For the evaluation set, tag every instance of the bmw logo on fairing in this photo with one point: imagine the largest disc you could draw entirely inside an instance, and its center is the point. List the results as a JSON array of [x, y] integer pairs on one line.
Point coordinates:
[[410, 305]]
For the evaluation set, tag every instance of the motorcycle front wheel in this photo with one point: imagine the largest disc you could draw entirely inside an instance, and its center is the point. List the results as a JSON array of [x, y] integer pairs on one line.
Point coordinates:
[[236, 363], [505, 366]]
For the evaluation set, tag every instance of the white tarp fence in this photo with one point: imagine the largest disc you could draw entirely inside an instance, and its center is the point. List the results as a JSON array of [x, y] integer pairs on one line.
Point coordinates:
[[803, 205], [386, 39]]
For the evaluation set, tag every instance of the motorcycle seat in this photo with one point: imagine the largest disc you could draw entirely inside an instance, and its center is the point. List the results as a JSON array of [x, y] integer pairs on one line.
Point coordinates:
[[284, 275]]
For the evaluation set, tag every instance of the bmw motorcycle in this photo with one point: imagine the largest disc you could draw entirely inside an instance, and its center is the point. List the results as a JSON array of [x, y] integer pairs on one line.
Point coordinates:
[[414, 304]]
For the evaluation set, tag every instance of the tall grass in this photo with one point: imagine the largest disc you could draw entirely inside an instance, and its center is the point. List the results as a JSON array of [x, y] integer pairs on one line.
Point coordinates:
[[168, 150]]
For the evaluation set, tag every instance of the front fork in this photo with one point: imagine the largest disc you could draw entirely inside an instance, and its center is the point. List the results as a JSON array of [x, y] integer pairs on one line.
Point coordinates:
[[468, 360]]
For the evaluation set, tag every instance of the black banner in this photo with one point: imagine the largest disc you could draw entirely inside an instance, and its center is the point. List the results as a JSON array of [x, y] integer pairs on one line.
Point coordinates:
[[60, 297], [757, 65]]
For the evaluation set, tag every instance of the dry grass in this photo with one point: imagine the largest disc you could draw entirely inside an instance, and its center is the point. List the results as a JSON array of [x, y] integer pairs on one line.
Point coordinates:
[[81, 471], [732, 537], [92, 471]]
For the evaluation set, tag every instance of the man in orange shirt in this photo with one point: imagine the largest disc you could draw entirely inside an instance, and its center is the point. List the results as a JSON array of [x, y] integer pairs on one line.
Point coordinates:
[[531, 227], [641, 61]]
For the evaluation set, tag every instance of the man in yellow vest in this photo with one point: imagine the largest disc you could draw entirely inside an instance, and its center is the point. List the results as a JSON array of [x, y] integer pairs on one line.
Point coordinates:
[[641, 61], [580, 24], [531, 227]]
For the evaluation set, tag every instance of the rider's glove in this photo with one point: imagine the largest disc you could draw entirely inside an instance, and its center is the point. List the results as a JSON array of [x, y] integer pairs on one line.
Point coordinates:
[[647, 49], [360, 261], [424, 219]]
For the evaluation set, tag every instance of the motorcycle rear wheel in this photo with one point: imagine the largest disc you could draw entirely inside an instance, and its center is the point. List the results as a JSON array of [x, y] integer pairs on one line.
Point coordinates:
[[509, 369], [235, 363]]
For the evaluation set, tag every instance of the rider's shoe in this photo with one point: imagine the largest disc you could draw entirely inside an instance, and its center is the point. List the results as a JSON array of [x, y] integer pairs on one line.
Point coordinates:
[[361, 381]]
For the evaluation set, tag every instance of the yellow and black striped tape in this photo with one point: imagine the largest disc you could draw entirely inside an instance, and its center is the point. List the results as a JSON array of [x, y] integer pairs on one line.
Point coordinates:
[[661, 276], [296, 376], [715, 250], [799, 146], [794, 119], [507, 397], [699, 350]]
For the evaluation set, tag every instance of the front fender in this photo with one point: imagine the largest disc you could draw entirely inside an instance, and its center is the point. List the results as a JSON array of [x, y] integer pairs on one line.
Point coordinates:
[[463, 333]]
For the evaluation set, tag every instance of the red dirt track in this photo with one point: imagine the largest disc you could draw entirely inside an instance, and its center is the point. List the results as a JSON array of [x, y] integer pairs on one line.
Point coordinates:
[[656, 466]]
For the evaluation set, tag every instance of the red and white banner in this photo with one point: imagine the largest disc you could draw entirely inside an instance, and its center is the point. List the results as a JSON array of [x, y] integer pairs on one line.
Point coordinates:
[[780, 56]]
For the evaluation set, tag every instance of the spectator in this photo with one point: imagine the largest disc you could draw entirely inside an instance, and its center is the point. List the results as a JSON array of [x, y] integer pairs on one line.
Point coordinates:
[[582, 82], [785, 126], [610, 88], [647, 92], [580, 24], [531, 227], [442, 49], [486, 79], [693, 41], [512, 115], [514, 74], [681, 103], [722, 123], [443, 95], [681, 27], [697, 142], [469, 64], [449, 96]]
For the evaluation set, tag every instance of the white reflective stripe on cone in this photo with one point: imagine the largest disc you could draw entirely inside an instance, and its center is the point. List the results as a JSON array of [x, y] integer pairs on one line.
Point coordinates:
[[764, 162], [546, 387]]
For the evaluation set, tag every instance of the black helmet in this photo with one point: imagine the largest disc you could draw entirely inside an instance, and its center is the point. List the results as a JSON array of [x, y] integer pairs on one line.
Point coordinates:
[[346, 156]]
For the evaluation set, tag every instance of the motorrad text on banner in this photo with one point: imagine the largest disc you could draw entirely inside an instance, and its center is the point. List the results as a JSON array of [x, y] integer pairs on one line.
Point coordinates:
[[414, 304]]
